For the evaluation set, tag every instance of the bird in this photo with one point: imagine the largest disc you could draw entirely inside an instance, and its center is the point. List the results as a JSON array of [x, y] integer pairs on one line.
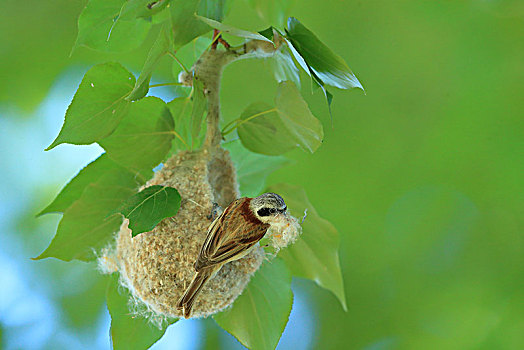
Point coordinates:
[[232, 235]]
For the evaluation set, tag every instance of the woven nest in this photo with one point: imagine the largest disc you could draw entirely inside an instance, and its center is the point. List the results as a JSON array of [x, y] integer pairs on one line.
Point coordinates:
[[157, 266]]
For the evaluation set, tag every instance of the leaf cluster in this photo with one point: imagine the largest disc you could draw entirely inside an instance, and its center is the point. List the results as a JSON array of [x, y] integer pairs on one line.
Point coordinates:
[[138, 132]]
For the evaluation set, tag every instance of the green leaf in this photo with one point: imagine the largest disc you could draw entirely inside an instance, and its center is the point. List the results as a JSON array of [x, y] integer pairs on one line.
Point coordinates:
[[162, 16], [181, 109], [299, 59], [262, 131], [272, 11], [329, 100], [85, 226], [73, 190], [141, 8], [98, 105], [284, 67], [188, 54], [144, 137], [224, 28], [328, 67], [129, 331], [82, 301], [315, 254], [289, 124], [140, 90], [150, 206], [253, 168], [296, 116], [258, 317], [185, 25], [111, 26], [161, 46], [267, 33], [214, 9], [199, 107]]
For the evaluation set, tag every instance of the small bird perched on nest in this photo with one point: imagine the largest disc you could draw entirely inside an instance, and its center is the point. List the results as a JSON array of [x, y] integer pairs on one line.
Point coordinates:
[[231, 236]]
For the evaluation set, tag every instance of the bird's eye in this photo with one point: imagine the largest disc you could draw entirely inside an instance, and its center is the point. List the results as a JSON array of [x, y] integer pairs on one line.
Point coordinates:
[[272, 210]]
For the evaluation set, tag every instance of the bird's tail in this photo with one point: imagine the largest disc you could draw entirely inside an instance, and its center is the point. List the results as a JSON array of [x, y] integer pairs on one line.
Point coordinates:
[[186, 301]]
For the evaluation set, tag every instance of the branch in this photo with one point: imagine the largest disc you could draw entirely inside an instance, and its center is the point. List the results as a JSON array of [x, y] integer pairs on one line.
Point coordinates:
[[208, 69]]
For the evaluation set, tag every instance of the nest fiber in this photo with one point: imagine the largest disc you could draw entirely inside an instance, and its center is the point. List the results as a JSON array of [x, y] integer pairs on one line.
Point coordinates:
[[157, 266]]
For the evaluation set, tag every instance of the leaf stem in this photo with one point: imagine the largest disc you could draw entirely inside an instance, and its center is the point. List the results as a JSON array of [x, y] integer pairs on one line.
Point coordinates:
[[216, 36], [242, 121], [178, 61], [180, 138], [165, 84], [229, 124]]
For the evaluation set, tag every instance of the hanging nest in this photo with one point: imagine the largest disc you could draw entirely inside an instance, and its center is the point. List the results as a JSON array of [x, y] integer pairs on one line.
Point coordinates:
[[157, 266]]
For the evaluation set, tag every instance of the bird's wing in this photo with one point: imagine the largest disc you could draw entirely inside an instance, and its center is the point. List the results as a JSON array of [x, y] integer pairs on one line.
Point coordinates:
[[230, 249], [229, 236]]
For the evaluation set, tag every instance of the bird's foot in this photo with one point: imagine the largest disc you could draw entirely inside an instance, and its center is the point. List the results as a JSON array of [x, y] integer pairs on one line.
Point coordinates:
[[215, 212]]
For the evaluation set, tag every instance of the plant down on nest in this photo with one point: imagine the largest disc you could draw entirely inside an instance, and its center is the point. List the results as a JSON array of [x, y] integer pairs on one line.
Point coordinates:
[[146, 228]]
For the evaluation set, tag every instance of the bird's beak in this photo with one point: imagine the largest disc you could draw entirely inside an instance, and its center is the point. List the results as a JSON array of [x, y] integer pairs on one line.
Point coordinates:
[[283, 214]]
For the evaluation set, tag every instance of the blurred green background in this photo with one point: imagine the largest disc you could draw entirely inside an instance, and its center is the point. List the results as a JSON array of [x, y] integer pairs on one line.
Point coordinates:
[[423, 176]]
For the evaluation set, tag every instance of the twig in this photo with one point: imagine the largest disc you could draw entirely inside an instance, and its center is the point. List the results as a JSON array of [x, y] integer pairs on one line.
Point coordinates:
[[216, 38]]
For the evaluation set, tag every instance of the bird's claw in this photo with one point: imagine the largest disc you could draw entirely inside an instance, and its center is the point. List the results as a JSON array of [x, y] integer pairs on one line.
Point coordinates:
[[215, 211]]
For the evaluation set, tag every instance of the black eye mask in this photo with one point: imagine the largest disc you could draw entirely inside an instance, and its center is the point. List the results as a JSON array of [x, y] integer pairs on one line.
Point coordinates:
[[270, 211], [264, 212]]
